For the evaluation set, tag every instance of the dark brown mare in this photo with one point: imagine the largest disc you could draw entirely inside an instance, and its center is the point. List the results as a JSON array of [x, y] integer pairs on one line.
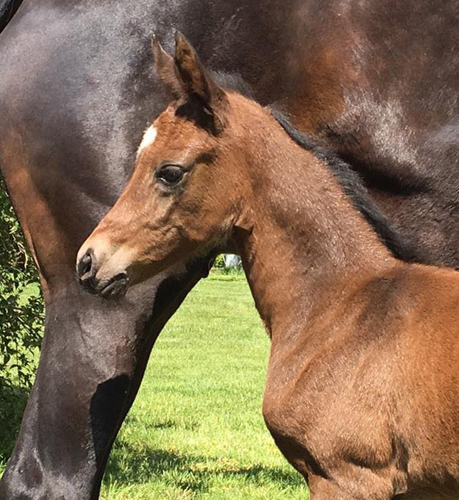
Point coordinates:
[[362, 393], [373, 80]]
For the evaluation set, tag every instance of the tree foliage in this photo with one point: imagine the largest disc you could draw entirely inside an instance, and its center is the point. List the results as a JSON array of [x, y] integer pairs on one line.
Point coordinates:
[[21, 306], [21, 323]]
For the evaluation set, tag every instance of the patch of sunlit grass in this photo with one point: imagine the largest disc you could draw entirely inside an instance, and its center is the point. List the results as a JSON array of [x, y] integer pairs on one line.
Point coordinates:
[[196, 429]]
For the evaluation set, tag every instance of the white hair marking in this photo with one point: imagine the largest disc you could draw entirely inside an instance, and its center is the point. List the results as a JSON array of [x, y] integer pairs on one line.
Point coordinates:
[[148, 138]]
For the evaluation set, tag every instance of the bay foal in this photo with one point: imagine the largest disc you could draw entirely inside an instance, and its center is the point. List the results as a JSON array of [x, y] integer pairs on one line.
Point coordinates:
[[362, 391]]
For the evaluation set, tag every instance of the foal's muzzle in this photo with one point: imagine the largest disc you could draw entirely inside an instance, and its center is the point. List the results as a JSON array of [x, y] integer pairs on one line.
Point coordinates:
[[87, 268]]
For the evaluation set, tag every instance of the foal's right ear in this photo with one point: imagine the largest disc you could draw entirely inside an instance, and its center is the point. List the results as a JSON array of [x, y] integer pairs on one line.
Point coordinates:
[[165, 68], [198, 85]]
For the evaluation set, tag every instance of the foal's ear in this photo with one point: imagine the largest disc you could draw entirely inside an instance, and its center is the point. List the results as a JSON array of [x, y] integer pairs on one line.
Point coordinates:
[[196, 82], [165, 67]]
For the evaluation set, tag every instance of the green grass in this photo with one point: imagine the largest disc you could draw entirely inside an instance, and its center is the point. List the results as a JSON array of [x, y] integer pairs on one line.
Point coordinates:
[[196, 430]]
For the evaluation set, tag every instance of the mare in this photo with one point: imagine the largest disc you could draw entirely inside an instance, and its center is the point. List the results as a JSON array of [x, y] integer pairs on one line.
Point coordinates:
[[375, 82], [362, 391]]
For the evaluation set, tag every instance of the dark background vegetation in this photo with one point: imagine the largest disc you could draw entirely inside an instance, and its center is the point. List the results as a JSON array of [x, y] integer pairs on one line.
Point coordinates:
[[21, 324]]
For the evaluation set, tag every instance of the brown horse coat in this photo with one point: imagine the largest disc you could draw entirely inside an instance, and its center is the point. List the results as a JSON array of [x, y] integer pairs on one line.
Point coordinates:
[[362, 392]]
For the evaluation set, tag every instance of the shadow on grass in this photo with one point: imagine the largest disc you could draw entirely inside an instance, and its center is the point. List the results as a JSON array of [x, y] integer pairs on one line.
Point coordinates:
[[12, 405], [166, 424], [128, 466]]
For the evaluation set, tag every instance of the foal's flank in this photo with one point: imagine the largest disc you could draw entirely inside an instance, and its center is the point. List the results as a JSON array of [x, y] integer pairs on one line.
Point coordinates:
[[362, 392]]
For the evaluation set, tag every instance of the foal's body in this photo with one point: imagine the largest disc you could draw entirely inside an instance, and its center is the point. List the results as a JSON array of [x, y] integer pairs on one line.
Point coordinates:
[[362, 398], [362, 392]]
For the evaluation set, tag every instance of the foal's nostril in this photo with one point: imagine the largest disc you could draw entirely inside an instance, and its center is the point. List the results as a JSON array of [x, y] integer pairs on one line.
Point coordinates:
[[85, 268]]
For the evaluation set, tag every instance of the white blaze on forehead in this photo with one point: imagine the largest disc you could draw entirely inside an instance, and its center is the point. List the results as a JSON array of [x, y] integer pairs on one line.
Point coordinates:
[[148, 138]]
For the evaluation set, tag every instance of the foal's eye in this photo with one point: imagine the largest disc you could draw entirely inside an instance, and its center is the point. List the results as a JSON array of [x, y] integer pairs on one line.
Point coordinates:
[[170, 175]]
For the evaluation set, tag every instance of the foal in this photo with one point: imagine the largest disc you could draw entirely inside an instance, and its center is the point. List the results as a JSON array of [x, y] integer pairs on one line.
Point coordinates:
[[362, 391]]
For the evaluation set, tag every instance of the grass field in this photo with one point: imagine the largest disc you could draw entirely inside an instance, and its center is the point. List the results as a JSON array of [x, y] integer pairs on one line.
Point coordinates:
[[196, 429]]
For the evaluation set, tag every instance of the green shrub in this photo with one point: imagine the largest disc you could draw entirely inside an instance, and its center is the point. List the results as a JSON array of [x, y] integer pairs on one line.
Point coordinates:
[[21, 322], [220, 268], [219, 262]]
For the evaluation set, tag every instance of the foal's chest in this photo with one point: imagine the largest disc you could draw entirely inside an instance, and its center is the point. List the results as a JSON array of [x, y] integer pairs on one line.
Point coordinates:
[[327, 406]]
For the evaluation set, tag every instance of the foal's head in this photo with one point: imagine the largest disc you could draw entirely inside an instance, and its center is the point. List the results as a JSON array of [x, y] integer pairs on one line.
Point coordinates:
[[185, 195]]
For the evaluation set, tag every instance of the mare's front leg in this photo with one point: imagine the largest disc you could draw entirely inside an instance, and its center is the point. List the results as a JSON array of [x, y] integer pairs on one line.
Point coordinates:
[[93, 357], [94, 351]]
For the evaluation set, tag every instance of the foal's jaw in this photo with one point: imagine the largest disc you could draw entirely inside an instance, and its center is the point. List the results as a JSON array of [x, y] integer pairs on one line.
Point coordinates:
[[108, 269]]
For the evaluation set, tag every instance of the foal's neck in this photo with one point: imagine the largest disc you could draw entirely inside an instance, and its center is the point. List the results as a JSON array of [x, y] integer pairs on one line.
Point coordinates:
[[301, 239]]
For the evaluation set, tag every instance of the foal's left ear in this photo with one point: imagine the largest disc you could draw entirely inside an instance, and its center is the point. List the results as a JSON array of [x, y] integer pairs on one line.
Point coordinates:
[[165, 68], [197, 84]]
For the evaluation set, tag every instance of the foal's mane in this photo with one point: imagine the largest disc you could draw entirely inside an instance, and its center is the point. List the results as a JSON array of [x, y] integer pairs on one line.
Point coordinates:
[[349, 179], [353, 186]]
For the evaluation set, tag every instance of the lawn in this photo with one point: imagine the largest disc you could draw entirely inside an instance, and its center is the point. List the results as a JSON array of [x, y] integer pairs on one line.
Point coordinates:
[[196, 429]]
